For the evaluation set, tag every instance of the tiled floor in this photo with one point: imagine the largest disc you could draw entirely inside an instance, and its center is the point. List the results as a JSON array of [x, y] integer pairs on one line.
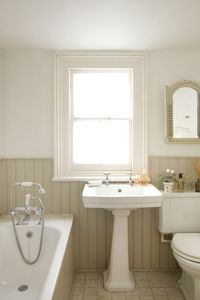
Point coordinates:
[[152, 285]]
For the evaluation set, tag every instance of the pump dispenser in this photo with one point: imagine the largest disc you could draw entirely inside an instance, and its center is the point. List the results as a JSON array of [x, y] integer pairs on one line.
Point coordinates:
[[180, 182]]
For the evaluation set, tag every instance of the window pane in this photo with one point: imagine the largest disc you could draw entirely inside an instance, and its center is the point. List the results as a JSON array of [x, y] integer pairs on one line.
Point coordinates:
[[101, 94], [101, 142]]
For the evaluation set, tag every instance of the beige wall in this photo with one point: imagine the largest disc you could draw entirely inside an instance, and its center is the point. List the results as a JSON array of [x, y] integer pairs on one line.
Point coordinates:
[[27, 107], [27, 98], [93, 227], [166, 68]]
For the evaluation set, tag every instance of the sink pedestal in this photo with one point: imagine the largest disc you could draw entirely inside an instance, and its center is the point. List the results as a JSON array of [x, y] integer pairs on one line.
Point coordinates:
[[118, 276]]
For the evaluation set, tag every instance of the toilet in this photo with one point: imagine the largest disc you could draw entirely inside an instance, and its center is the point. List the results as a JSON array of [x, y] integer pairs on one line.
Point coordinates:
[[180, 215]]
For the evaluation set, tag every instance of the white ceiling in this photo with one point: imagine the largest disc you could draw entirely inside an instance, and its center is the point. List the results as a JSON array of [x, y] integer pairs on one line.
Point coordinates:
[[100, 24]]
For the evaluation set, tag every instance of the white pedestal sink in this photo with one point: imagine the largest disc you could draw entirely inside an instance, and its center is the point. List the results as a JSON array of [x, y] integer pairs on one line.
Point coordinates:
[[120, 198]]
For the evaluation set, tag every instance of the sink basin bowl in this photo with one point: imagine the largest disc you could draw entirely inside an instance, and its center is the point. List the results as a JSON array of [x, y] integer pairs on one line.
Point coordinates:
[[121, 196]]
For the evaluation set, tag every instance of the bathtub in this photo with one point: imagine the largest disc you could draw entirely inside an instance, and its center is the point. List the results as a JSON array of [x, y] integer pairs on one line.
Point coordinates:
[[48, 278]]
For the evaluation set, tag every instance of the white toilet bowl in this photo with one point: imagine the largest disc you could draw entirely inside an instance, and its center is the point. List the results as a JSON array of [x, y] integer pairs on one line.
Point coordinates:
[[186, 249]]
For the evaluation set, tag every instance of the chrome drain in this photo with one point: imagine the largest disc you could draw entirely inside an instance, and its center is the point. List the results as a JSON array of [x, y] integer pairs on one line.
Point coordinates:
[[29, 234], [22, 288]]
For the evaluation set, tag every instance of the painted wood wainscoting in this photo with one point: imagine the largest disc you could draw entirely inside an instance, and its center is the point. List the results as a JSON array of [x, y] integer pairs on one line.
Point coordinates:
[[93, 227]]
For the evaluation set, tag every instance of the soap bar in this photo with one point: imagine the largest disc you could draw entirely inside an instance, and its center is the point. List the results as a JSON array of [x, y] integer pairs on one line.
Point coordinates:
[[94, 182]]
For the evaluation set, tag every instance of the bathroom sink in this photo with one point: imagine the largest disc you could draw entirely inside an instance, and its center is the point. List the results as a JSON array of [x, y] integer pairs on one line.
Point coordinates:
[[121, 196]]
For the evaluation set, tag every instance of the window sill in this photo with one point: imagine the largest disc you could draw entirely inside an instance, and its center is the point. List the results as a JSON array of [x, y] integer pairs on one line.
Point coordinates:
[[118, 178]]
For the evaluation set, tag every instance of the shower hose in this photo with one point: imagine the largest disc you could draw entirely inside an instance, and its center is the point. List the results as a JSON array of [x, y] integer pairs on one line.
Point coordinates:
[[26, 260]]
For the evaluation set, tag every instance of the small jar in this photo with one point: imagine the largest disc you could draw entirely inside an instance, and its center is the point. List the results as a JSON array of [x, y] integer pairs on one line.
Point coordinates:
[[168, 186], [197, 185]]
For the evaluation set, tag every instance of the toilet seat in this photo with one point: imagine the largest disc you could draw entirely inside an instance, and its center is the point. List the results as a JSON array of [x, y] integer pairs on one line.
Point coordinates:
[[187, 245]]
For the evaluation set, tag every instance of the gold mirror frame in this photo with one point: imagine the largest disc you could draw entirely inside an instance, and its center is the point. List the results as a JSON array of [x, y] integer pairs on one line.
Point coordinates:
[[169, 92]]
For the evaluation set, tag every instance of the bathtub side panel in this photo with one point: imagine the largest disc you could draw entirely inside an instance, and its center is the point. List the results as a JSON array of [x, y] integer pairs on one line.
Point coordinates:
[[66, 274]]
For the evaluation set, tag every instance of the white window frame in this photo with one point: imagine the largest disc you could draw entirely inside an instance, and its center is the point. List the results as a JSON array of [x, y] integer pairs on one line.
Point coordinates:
[[63, 64]]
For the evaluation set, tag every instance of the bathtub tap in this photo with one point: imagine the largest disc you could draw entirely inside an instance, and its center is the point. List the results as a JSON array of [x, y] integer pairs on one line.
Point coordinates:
[[39, 210], [22, 215], [29, 210]]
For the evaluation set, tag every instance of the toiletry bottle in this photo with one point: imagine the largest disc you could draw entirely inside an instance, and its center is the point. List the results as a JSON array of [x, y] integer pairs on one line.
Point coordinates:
[[197, 185], [144, 177], [180, 182], [187, 184]]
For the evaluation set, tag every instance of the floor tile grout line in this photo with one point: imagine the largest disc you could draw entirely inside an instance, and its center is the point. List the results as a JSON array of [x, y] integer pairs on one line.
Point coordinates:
[[165, 288]]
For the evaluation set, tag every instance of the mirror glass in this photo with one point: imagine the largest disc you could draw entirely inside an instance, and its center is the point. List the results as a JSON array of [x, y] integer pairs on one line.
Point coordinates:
[[182, 112], [185, 113]]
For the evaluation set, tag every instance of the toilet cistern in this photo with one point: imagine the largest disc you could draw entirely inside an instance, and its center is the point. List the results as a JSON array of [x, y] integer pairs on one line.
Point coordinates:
[[179, 214]]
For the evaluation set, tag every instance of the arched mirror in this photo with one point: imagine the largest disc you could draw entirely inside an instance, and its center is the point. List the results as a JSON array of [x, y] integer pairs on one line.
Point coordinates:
[[183, 112]]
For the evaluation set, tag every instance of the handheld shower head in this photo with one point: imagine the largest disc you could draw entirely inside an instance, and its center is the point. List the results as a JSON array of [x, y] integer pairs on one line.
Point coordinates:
[[24, 184], [29, 184]]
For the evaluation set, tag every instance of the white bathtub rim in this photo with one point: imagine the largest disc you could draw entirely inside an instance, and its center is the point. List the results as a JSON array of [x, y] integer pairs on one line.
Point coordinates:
[[63, 224]]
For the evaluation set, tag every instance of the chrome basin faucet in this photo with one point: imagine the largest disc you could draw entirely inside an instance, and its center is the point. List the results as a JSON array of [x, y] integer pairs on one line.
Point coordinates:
[[130, 181], [106, 181]]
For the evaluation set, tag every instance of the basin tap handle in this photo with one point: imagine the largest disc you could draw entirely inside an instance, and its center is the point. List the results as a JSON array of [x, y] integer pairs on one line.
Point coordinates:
[[130, 178], [27, 201], [107, 175]]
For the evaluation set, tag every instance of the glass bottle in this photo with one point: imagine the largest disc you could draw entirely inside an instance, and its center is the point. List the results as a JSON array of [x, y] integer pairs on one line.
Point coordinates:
[[197, 185], [180, 183], [188, 184]]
